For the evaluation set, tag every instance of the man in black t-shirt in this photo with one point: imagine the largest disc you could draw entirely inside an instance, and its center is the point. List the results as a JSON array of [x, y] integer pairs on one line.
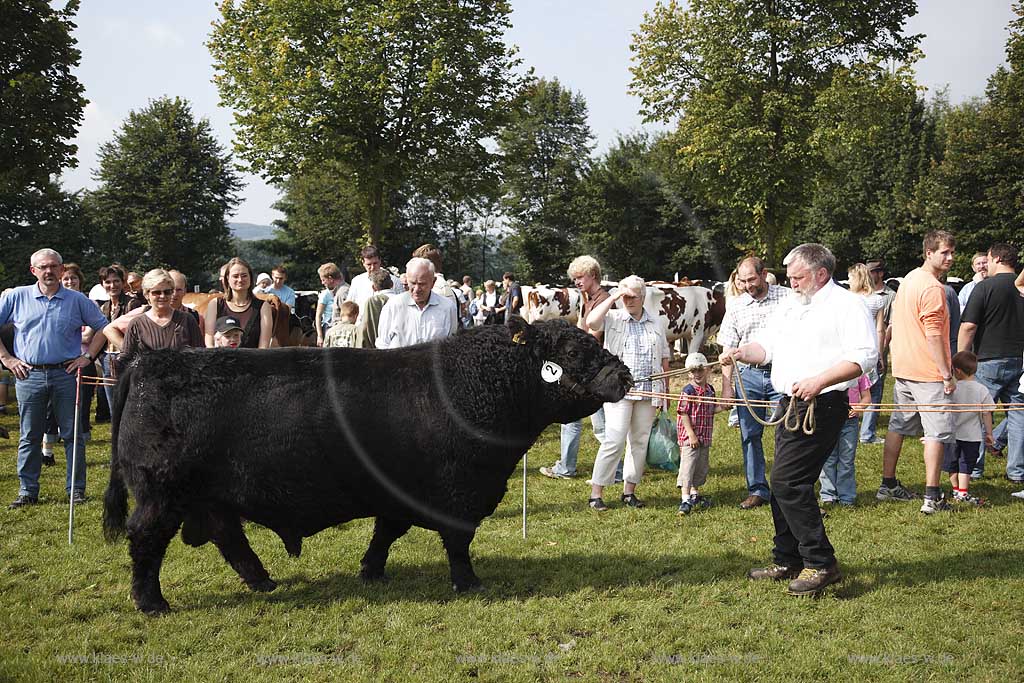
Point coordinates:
[[993, 322]]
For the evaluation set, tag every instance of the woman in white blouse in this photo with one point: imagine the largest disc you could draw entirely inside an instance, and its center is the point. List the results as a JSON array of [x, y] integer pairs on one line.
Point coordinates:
[[635, 338]]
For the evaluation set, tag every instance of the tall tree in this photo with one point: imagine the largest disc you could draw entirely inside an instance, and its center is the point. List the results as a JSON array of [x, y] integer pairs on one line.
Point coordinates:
[[545, 152], [741, 77], [391, 90], [41, 100], [166, 189]]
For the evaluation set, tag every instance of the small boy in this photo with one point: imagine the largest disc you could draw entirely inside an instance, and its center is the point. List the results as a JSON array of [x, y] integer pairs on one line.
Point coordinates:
[[345, 334], [695, 422], [228, 333], [838, 475], [971, 427]]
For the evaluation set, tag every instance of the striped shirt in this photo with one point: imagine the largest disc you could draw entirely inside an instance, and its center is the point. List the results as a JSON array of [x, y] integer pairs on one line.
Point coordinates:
[[702, 415], [748, 316], [640, 353]]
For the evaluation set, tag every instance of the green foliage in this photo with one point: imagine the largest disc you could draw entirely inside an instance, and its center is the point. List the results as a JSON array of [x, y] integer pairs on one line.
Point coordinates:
[[166, 188], [394, 90], [41, 101], [742, 78], [545, 153]]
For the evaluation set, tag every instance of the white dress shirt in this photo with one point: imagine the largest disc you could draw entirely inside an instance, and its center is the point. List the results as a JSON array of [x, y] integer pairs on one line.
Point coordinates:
[[404, 323], [803, 341]]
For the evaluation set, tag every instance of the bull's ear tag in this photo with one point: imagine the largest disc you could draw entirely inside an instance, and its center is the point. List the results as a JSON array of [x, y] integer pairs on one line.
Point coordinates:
[[550, 372], [519, 338]]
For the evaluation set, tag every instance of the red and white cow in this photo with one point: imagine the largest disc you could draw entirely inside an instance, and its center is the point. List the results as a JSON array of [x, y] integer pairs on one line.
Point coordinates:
[[686, 312], [548, 303]]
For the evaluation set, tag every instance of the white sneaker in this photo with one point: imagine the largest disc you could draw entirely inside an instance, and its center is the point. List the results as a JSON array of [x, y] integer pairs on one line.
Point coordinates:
[[931, 506], [1018, 494]]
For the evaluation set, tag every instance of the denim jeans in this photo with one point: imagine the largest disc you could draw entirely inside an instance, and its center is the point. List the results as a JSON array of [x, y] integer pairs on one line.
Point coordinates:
[[1001, 376], [570, 443], [869, 422], [999, 436], [758, 386], [37, 392], [837, 479], [105, 361]]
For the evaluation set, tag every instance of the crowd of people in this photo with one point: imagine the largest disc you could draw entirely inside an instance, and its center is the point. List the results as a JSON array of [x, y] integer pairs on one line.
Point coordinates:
[[818, 352]]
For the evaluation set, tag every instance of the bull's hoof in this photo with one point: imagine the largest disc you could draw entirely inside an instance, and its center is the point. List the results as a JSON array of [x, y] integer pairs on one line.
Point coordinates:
[[470, 586], [367, 575], [262, 586], [153, 608]]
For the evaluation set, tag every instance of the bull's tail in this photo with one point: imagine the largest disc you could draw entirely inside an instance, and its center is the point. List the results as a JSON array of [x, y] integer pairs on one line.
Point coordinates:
[[115, 501]]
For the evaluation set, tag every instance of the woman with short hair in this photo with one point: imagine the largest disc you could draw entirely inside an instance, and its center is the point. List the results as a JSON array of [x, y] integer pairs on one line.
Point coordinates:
[[160, 325], [256, 318], [632, 336]]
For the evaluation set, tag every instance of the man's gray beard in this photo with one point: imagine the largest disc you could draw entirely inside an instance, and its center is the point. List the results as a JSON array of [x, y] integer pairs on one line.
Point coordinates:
[[802, 299]]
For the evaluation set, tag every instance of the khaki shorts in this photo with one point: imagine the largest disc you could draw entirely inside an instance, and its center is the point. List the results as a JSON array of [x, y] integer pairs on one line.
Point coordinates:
[[934, 426]]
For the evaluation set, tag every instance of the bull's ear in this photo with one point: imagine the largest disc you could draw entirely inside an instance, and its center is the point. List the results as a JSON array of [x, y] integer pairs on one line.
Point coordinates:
[[523, 333]]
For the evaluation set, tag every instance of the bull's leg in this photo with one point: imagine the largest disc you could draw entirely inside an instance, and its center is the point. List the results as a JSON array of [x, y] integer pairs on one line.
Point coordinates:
[[150, 530], [456, 544], [385, 532], [227, 534]]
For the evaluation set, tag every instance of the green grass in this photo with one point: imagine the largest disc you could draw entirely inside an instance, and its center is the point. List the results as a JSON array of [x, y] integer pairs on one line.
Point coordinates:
[[630, 595]]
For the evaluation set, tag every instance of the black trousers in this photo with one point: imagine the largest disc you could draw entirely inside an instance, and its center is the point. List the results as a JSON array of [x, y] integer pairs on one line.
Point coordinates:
[[800, 538]]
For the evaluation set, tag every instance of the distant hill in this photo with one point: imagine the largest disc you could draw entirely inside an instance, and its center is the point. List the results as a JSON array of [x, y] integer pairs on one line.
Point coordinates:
[[251, 231]]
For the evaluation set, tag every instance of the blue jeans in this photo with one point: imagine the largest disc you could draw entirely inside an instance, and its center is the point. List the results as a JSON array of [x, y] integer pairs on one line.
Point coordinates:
[[44, 389], [758, 385], [105, 361], [837, 479], [869, 423], [999, 437], [570, 444], [1001, 376]]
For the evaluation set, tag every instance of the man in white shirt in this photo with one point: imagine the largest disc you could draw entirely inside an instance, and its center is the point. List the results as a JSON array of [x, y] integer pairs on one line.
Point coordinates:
[[361, 289], [818, 343], [418, 314], [979, 264]]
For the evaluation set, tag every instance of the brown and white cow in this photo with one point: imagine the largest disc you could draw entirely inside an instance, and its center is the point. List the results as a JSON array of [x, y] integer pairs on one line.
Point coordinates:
[[687, 313], [551, 303]]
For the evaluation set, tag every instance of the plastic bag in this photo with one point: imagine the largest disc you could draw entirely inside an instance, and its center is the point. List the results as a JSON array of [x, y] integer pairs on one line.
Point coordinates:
[[663, 447]]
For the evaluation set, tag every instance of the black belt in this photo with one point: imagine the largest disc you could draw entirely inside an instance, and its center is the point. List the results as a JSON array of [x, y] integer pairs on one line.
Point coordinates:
[[52, 366], [767, 367]]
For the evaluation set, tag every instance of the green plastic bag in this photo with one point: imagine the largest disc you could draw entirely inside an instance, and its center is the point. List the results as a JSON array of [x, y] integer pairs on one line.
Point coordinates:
[[663, 447]]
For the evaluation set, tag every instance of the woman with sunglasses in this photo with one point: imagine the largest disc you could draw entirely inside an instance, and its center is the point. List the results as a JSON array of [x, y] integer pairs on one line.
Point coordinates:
[[159, 326]]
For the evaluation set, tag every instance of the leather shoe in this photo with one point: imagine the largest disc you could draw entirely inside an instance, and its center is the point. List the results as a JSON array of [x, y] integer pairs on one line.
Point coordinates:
[[813, 581], [22, 501], [775, 572], [753, 501]]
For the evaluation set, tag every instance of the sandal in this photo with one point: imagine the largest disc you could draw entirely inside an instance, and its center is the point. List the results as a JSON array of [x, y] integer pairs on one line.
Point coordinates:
[[597, 504], [632, 501]]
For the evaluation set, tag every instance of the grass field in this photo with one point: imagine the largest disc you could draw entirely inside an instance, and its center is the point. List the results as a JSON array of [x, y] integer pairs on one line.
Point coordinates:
[[630, 595]]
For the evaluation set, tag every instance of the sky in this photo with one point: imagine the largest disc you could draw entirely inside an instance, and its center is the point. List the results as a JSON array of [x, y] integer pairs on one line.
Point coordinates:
[[133, 52]]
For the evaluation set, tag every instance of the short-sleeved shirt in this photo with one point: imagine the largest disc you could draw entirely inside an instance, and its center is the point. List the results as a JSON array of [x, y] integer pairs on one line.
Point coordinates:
[[969, 425], [748, 316], [48, 330], [701, 414], [588, 305], [326, 299], [285, 293], [182, 331], [997, 308], [919, 311]]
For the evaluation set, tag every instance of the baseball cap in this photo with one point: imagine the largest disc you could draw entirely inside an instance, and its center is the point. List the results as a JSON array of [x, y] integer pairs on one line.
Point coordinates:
[[226, 323], [696, 360], [264, 276]]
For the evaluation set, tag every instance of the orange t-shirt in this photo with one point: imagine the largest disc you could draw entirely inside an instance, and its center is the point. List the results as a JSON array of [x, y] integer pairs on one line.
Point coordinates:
[[918, 311]]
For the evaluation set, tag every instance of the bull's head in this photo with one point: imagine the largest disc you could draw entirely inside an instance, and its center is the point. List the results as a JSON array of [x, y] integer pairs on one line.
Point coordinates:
[[572, 365]]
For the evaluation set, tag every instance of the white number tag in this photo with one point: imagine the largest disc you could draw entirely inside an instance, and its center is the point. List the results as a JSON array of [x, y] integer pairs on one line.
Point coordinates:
[[550, 372]]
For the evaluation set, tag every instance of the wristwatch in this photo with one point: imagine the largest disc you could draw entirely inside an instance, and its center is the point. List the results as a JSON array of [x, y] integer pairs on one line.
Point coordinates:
[[88, 356]]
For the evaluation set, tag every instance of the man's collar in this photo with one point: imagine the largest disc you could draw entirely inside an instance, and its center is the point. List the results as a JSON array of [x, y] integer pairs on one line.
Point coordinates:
[[40, 293]]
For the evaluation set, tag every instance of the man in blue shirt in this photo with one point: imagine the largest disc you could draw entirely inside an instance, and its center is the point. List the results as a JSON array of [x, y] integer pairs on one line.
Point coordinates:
[[282, 291], [48, 320]]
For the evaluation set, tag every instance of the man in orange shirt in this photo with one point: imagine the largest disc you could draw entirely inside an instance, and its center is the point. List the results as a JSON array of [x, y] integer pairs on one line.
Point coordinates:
[[922, 367]]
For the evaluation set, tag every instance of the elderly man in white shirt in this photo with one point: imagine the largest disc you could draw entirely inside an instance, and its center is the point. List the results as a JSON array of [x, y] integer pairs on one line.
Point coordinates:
[[819, 342], [419, 314]]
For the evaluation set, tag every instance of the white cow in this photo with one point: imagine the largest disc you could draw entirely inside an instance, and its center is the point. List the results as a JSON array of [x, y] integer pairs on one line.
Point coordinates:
[[686, 313], [547, 303]]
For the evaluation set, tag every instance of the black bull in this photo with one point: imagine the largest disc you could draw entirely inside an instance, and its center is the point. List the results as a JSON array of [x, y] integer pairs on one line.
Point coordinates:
[[299, 440]]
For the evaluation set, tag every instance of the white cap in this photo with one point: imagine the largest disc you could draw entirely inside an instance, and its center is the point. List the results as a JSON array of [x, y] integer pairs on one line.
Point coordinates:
[[264, 276], [695, 360]]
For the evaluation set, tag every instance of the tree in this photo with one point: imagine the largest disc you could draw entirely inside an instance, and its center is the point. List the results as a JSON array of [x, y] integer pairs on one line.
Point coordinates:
[[742, 77], [545, 152], [41, 101], [393, 90], [166, 189]]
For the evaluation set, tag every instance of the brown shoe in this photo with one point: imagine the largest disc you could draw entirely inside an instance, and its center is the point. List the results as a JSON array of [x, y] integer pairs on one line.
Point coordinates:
[[812, 582], [775, 572], [754, 501]]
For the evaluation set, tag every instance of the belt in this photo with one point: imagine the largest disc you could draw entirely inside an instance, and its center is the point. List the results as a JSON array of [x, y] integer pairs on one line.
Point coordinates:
[[51, 366], [767, 367]]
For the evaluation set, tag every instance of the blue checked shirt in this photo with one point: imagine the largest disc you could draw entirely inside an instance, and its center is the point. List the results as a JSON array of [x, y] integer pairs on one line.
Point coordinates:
[[748, 316]]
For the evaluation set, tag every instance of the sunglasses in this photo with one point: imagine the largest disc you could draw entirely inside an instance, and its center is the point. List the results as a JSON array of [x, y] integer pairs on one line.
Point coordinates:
[[161, 292]]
